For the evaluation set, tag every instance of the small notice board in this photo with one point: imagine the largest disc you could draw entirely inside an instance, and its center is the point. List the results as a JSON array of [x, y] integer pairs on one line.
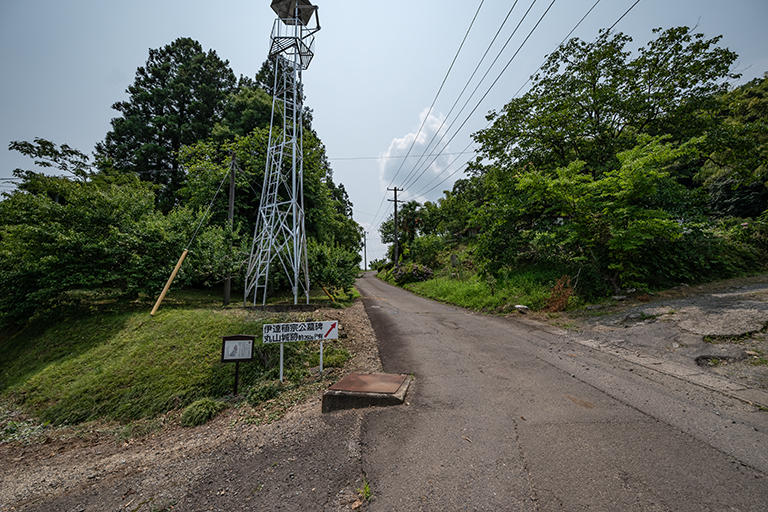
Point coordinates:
[[236, 348]]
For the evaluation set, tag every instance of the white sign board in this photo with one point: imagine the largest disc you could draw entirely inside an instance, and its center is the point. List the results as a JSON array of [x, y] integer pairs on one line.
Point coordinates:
[[300, 331]]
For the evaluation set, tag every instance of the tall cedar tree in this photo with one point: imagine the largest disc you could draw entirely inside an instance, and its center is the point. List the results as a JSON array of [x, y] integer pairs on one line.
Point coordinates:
[[176, 99]]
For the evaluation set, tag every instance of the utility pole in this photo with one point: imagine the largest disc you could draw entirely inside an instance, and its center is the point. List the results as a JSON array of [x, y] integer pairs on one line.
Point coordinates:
[[365, 251], [397, 245], [231, 222]]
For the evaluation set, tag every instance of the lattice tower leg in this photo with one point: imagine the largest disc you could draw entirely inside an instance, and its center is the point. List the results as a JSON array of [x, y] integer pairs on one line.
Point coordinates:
[[280, 233]]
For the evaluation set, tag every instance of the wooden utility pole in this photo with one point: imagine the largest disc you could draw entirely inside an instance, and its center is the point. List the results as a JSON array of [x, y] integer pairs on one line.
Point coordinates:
[[397, 245], [231, 221]]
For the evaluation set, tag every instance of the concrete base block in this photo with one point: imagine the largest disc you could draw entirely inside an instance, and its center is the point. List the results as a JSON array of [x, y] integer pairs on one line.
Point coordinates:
[[339, 399]]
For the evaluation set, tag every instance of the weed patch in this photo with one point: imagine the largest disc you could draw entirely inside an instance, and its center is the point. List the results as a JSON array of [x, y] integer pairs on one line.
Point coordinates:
[[264, 391], [200, 412], [561, 294], [365, 491]]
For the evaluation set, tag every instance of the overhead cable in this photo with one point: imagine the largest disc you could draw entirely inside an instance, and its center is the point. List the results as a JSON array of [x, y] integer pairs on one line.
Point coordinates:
[[498, 77], [423, 191], [435, 99], [490, 45]]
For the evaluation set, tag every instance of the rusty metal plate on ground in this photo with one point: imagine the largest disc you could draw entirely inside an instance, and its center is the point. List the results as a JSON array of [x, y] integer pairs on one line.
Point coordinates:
[[374, 383]]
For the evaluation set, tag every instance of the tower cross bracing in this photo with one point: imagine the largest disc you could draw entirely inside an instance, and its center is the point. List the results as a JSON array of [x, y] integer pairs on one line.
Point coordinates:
[[279, 235]]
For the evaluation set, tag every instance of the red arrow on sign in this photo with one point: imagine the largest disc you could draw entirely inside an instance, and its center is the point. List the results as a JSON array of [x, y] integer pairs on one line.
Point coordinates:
[[333, 326]]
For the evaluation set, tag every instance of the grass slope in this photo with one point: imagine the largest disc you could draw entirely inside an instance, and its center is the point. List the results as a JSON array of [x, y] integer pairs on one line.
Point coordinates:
[[126, 365], [121, 366]]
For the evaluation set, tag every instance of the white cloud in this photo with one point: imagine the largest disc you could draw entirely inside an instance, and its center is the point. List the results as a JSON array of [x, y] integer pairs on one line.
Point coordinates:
[[422, 165]]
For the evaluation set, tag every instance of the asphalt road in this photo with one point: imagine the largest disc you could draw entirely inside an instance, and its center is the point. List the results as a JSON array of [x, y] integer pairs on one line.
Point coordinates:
[[505, 415]]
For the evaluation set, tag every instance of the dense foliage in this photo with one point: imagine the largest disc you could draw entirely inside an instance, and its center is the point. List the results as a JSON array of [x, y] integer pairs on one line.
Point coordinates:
[[175, 100], [638, 170], [118, 226], [59, 238]]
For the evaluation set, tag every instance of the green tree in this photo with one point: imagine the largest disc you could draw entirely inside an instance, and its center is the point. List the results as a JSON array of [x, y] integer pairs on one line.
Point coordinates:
[[635, 226], [245, 110], [335, 238], [736, 168], [176, 99], [61, 238], [332, 266], [459, 206], [48, 155], [328, 210], [591, 100]]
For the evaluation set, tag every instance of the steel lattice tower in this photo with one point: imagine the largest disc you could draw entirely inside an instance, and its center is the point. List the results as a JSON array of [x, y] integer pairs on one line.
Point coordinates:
[[279, 232]]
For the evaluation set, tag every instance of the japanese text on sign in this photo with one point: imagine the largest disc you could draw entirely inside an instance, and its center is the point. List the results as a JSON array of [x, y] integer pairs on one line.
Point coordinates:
[[300, 331]]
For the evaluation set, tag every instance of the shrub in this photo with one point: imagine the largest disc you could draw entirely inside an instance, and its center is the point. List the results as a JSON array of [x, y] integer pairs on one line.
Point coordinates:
[[426, 249], [332, 266], [377, 264], [561, 292], [201, 412], [335, 358], [411, 273]]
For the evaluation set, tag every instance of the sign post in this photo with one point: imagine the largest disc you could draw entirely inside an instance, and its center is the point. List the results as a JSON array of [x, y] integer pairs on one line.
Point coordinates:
[[300, 331], [236, 348]]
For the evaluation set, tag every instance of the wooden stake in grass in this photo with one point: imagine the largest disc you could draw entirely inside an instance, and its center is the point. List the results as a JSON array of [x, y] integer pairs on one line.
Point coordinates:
[[168, 284]]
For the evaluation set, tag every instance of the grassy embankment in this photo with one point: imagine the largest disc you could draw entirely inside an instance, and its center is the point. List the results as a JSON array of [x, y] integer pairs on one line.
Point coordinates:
[[531, 286], [545, 287], [117, 364]]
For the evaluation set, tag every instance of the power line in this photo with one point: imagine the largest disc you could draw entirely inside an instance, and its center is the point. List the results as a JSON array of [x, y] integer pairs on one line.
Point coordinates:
[[622, 16], [498, 77], [440, 89], [417, 166], [393, 156], [561, 44], [435, 99], [422, 191]]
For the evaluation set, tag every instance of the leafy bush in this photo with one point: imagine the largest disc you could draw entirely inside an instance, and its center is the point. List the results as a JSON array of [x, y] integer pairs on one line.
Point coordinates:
[[200, 412], [426, 249], [332, 357], [60, 237], [411, 273], [636, 226], [335, 358], [332, 266], [377, 264], [750, 235]]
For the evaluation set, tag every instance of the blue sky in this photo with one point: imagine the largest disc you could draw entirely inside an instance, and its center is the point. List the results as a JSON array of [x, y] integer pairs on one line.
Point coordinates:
[[377, 69]]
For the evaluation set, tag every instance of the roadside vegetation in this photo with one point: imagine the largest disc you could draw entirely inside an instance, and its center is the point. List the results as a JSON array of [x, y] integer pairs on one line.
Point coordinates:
[[618, 172], [122, 366], [88, 242]]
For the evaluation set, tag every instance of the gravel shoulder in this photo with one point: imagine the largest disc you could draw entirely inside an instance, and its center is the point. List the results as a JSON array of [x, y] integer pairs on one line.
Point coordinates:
[[721, 327], [220, 464]]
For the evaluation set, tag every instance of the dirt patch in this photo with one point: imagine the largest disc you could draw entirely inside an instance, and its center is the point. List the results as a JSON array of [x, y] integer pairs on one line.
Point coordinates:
[[718, 326], [224, 462]]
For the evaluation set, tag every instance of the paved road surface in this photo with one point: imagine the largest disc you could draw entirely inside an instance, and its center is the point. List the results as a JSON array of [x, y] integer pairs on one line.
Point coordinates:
[[508, 416]]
